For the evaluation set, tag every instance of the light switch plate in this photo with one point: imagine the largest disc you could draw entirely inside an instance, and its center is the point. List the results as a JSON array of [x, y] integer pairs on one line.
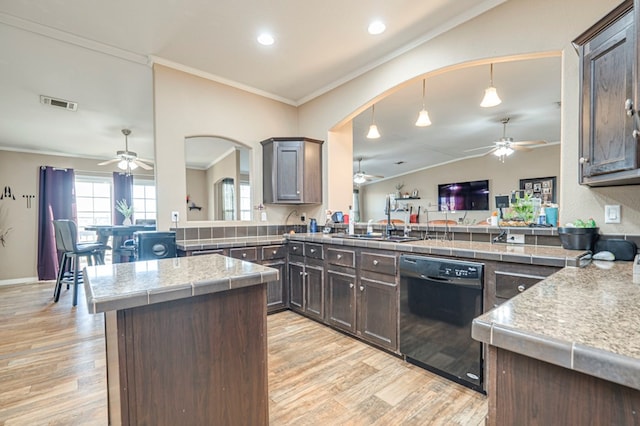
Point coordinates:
[[612, 214], [515, 238]]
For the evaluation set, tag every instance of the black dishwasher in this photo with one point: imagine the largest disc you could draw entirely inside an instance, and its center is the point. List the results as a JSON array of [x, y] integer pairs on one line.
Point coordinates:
[[438, 300]]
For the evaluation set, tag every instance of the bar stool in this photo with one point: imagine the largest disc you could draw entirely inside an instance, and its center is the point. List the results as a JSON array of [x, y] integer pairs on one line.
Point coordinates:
[[66, 235]]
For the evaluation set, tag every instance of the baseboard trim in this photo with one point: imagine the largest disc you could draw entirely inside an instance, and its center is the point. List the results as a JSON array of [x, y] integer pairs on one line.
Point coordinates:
[[27, 280]]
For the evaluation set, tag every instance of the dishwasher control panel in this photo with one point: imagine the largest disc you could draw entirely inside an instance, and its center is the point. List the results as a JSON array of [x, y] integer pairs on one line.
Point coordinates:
[[456, 271]]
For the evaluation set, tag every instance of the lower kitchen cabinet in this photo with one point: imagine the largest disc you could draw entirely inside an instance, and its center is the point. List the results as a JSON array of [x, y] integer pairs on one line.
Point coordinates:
[[276, 290], [306, 279], [505, 280], [378, 311], [341, 304]]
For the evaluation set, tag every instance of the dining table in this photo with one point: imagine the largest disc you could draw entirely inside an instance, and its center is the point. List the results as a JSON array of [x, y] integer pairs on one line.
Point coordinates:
[[119, 234]]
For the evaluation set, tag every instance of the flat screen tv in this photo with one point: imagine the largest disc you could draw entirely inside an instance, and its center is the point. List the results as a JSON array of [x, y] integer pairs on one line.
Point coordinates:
[[464, 196]]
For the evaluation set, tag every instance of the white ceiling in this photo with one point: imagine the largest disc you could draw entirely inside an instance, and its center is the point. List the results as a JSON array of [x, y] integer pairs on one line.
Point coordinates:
[[99, 54]]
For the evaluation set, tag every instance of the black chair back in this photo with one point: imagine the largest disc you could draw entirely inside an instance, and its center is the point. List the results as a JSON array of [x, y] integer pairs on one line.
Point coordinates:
[[65, 237]]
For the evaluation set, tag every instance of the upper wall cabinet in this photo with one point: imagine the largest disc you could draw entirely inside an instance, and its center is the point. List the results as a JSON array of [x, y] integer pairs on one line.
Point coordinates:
[[292, 170], [609, 97]]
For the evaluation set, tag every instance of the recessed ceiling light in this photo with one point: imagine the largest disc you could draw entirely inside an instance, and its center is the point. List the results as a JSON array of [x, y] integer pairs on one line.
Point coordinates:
[[265, 39], [376, 27]]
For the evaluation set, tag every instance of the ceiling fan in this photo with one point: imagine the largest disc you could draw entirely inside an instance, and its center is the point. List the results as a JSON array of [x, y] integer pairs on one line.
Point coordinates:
[[505, 146], [361, 177], [128, 160]]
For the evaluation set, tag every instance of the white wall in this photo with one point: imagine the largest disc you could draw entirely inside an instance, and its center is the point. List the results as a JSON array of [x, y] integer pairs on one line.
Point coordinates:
[[515, 28], [186, 105]]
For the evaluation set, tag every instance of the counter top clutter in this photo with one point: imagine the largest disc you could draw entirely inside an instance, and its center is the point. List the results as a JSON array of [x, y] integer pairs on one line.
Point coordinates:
[[584, 319], [125, 285]]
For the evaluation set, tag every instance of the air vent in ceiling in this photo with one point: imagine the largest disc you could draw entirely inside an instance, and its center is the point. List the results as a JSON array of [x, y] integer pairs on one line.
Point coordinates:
[[59, 103]]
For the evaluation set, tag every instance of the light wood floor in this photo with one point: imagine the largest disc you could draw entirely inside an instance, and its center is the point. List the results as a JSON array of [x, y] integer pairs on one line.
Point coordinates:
[[52, 372]]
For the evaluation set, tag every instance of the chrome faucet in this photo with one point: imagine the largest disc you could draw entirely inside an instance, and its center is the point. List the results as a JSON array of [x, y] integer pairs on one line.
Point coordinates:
[[390, 226]]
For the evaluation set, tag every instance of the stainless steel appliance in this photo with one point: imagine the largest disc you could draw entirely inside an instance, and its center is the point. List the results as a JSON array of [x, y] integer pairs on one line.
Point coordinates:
[[438, 300]]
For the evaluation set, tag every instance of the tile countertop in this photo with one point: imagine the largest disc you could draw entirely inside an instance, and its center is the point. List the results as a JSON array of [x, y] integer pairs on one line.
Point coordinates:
[[218, 243], [584, 319], [128, 285], [516, 253]]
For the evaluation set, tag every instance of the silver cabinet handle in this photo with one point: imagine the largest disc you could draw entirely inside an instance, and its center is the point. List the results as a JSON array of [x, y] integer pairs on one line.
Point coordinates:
[[312, 250], [635, 133], [301, 273], [339, 256], [584, 160], [628, 106], [244, 255], [351, 285], [521, 288], [375, 263], [275, 252], [295, 248], [361, 288]]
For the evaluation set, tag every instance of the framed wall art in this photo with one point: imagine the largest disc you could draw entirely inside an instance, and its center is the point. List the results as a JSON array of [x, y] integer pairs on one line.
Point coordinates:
[[543, 188]]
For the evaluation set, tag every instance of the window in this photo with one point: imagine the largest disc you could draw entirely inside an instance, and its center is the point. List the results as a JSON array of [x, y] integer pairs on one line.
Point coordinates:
[[245, 201], [93, 203], [144, 199]]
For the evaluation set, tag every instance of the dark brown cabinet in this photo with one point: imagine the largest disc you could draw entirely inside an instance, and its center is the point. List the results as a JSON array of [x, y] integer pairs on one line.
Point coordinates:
[[292, 170], [364, 303], [276, 257], [306, 279], [378, 290], [609, 152], [505, 280]]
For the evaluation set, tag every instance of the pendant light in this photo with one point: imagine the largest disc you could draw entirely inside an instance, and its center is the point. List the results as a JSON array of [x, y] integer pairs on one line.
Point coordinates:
[[491, 97], [423, 117], [373, 129]]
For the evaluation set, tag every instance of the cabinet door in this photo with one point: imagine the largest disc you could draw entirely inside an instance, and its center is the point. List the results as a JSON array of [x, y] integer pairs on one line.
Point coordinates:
[[341, 311], [378, 318], [289, 162], [608, 144], [276, 295], [314, 291], [296, 286]]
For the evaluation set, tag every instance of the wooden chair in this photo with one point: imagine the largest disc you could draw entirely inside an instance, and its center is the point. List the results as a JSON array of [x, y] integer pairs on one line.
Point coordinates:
[[66, 235]]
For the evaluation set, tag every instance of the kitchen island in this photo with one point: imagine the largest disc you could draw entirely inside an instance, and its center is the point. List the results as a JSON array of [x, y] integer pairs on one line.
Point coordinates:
[[185, 339], [566, 351]]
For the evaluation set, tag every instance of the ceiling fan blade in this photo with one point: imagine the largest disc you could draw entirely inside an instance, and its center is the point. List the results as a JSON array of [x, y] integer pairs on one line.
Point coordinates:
[[520, 148], [143, 165], [104, 163], [491, 151], [478, 149], [521, 143]]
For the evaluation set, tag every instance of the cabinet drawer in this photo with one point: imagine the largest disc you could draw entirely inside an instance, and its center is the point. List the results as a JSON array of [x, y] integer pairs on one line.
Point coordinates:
[[250, 254], [341, 257], [511, 284], [313, 250], [274, 252], [296, 248], [382, 263], [203, 252]]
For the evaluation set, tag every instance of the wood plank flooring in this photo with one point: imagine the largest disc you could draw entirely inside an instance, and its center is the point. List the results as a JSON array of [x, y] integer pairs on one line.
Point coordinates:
[[52, 372]]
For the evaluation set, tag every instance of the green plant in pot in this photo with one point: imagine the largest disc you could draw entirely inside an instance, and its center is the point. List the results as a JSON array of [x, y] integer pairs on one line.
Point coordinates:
[[523, 208], [125, 210]]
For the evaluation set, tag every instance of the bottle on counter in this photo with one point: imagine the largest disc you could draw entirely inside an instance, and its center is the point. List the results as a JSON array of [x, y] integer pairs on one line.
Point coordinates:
[[313, 225], [542, 217]]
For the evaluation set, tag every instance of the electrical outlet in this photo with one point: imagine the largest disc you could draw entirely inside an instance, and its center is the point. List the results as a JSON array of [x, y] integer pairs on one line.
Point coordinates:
[[303, 217], [175, 216], [515, 238], [612, 213]]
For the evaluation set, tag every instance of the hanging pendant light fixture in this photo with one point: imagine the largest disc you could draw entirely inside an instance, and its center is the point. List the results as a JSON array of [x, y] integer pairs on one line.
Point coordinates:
[[423, 117], [373, 129], [491, 97]]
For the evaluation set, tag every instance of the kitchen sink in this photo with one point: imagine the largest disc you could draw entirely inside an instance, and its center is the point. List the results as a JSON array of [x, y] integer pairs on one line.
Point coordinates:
[[392, 238]]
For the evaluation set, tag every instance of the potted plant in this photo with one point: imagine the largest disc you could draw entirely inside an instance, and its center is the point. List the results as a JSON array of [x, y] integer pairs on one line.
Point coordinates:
[[125, 210], [523, 208]]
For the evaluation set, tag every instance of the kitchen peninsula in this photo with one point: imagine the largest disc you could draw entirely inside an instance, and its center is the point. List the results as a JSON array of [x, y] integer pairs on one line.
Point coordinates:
[[567, 350], [185, 338]]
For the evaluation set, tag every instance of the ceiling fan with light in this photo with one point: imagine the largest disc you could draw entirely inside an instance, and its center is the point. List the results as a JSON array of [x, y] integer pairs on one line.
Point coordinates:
[[360, 177], [128, 160], [506, 146]]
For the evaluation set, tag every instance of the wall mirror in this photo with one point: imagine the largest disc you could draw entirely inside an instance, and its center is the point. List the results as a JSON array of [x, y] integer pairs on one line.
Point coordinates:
[[218, 179]]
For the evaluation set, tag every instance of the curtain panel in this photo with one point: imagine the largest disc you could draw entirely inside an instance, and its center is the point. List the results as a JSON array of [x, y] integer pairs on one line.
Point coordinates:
[[57, 200]]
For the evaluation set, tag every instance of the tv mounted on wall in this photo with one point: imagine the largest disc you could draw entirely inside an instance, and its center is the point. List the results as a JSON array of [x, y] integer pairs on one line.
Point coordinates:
[[464, 196]]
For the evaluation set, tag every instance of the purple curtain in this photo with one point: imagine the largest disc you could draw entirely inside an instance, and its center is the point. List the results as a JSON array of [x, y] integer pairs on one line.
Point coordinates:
[[57, 200], [122, 190]]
